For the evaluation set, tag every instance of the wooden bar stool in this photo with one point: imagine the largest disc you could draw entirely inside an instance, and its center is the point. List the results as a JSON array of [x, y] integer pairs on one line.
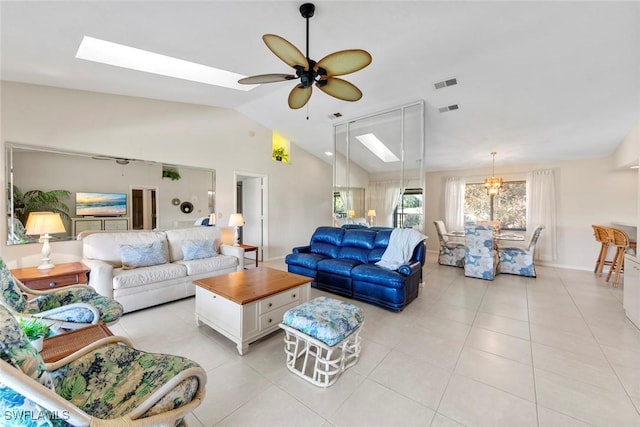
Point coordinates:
[[602, 236], [620, 240]]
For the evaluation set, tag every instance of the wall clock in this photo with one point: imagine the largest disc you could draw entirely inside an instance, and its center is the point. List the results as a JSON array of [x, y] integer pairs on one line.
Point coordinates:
[[186, 207]]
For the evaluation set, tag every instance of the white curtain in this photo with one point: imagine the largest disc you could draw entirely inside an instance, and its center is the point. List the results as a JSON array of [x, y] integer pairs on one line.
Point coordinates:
[[454, 189], [385, 196], [541, 209]]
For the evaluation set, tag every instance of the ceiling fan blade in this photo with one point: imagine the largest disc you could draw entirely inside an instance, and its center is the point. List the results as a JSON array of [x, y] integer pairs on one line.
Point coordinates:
[[285, 51], [344, 62], [266, 78], [299, 96], [340, 89]]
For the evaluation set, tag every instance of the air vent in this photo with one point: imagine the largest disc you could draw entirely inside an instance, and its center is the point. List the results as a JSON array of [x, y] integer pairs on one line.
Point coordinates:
[[445, 83], [335, 115], [448, 108]]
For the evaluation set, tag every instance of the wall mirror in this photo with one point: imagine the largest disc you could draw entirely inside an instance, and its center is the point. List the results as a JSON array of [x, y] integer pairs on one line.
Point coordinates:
[[377, 159], [104, 192]]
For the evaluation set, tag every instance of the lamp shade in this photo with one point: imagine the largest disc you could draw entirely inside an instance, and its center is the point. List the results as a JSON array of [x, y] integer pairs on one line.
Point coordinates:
[[44, 223], [351, 213], [371, 212], [236, 220], [212, 219]]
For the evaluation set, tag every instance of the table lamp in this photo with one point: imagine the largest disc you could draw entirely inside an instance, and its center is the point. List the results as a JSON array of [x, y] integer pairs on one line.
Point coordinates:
[[371, 214], [236, 220], [44, 224]]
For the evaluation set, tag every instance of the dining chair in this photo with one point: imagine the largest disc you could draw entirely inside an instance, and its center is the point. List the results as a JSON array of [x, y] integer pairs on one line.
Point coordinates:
[[519, 260], [619, 240], [602, 236], [481, 258], [452, 252]]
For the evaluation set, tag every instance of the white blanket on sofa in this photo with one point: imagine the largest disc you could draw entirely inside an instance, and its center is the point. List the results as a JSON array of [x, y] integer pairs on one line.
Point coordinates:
[[401, 245]]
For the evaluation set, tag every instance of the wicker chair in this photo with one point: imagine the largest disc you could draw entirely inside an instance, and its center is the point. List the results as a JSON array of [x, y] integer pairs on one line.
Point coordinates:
[[519, 260], [107, 383], [71, 307], [619, 240], [602, 236], [452, 252]]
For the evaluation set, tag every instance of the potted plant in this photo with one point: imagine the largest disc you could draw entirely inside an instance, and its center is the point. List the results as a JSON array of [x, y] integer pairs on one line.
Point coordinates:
[[36, 331], [39, 201], [171, 173], [280, 154]]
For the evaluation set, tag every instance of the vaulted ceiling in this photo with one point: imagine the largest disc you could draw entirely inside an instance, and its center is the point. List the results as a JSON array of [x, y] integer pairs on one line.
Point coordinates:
[[538, 81]]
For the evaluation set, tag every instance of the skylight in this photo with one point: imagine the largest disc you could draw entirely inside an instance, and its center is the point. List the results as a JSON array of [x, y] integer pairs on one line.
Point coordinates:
[[376, 146], [96, 50]]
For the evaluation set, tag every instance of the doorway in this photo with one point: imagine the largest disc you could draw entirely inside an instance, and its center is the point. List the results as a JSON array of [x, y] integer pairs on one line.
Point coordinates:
[[144, 208], [251, 201]]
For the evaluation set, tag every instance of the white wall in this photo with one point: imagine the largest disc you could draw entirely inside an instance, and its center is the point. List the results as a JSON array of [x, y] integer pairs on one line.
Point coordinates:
[[167, 132], [628, 152], [590, 191]]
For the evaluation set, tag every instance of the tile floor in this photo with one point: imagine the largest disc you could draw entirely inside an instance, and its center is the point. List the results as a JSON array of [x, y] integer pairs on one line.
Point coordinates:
[[552, 351]]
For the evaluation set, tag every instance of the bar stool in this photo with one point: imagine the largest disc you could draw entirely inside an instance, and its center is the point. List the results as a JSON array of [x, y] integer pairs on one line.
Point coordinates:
[[602, 236], [620, 240]]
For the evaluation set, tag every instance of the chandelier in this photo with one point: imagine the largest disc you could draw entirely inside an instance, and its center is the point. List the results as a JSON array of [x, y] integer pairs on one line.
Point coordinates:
[[493, 185]]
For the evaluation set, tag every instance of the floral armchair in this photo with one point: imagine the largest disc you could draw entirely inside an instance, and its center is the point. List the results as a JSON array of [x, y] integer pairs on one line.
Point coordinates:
[[105, 383], [452, 252], [481, 258], [71, 307], [519, 260]]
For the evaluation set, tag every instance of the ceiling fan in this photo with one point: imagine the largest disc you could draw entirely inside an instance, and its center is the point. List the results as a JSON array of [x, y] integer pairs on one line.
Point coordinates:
[[323, 73]]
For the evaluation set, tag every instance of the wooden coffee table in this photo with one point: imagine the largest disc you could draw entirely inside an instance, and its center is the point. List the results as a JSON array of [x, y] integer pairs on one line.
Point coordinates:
[[244, 306]]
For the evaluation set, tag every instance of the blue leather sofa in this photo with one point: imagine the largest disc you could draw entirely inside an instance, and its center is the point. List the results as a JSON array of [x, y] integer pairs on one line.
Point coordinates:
[[342, 261]]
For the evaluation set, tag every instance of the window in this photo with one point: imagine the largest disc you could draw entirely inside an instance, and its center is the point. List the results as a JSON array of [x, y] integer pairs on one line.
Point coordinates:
[[509, 206], [409, 213]]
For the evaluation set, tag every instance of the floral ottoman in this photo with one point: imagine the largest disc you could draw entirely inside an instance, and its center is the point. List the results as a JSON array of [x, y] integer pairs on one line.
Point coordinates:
[[322, 339]]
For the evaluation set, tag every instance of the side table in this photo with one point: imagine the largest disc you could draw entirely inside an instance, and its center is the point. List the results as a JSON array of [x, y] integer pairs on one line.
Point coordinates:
[[250, 248], [61, 275], [60, 346]]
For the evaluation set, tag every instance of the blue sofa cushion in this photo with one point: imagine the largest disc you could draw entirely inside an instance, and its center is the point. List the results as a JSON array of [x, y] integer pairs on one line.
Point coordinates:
[[305, 260], [379, 246], [381, 276], [326, 241], [356, 245], [340, 267]]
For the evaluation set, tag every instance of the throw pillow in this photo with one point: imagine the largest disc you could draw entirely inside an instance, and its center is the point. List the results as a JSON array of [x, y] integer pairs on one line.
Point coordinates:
[[198, 249], [142, 255]]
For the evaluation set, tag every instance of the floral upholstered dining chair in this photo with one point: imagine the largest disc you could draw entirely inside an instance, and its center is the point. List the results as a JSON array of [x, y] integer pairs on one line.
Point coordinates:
[[70, 307], [108, 383], [452, 252], [520, 259], [481, 258]]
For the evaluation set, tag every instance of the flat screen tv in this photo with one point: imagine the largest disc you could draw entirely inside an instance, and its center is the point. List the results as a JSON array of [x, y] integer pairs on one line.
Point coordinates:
[[101, 204]]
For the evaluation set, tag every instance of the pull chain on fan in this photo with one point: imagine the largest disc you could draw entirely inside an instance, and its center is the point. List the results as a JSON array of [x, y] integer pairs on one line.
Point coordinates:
[[322, 73]]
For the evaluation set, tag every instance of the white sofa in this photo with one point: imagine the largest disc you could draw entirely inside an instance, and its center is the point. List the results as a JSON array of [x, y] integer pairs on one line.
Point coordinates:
[[141, 287]]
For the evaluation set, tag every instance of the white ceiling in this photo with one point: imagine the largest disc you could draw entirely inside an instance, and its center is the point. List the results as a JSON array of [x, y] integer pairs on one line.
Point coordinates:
[[539, 81]]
